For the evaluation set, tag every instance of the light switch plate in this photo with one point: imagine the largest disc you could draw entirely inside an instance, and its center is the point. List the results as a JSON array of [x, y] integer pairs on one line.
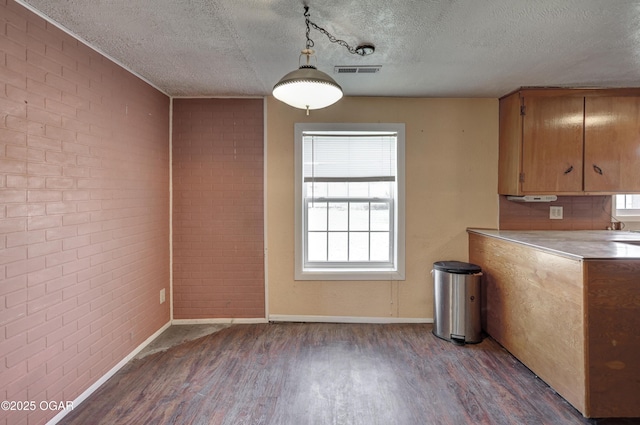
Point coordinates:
[[555, 213]]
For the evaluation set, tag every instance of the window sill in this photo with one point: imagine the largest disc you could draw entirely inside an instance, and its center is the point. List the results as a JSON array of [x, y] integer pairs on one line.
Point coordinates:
[[627, 218], [352, 274]]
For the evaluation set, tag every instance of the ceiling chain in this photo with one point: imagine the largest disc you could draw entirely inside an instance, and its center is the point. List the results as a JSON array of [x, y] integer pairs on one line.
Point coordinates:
[[359, 50]]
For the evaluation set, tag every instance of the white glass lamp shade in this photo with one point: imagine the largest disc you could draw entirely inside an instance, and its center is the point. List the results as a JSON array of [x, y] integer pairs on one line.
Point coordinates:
[[307, 88]]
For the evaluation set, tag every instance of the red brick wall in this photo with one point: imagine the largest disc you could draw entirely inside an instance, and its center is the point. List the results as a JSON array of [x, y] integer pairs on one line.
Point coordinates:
[[218, 233], [579, 213], [84, 245]]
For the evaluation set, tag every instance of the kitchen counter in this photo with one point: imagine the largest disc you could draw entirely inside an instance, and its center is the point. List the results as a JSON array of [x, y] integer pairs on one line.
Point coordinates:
[[567, 305], [575, 244]]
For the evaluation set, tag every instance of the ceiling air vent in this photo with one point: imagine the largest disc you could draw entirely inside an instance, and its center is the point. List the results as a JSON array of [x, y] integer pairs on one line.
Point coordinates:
[[363, 69]]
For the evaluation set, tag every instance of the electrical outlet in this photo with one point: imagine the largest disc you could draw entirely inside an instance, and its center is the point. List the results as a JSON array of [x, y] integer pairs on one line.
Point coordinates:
[[555, 213], [162, 296]]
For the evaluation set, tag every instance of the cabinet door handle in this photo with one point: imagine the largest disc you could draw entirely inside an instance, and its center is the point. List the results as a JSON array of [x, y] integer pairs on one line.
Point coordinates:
[[597, 169], [568, 170]]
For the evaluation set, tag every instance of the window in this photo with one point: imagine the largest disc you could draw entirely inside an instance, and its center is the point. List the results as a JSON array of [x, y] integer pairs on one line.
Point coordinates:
[[627, 207], [349, 201]]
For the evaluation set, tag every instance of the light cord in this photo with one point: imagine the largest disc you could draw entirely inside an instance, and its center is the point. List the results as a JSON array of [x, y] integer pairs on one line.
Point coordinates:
[[331, 37]]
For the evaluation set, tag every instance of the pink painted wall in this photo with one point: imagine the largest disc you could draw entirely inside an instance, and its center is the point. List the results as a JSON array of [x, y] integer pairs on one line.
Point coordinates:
[[84, 213], [218, 225]]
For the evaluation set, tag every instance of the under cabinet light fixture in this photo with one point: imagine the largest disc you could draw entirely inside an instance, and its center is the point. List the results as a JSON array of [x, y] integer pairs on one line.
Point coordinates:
[[533, 198]]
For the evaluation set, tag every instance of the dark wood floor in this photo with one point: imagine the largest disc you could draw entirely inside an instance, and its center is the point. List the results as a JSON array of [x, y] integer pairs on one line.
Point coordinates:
[[297, 374]]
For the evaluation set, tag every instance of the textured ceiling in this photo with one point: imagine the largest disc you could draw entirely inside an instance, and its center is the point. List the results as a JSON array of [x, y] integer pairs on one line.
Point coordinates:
[[427, 48]]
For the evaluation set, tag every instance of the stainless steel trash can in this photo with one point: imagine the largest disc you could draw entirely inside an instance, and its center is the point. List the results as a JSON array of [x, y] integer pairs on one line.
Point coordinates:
[[456, 301]]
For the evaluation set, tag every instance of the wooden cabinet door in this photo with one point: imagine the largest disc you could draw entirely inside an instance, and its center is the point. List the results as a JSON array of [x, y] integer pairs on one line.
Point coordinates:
[[510, 145], [612, 144], [552, 144]]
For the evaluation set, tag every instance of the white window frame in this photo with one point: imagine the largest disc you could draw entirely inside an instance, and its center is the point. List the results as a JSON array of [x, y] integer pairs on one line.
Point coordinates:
[[356, 271], [625, 214]]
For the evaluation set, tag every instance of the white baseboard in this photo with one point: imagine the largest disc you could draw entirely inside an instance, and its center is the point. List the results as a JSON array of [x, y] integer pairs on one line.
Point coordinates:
[[346, 319], [82, 397], [230, 321]]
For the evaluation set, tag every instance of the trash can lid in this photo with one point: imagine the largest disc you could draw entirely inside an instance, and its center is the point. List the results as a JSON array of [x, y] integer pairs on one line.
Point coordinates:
[[457, 267]]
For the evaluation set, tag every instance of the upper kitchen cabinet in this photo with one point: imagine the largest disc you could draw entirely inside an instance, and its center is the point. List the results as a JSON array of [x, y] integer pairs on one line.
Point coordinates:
[[612, 144], [568, 142], [552, 144]]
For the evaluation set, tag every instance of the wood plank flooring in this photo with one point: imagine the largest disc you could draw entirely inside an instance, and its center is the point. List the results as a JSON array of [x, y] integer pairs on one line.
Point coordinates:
[[298, 374]]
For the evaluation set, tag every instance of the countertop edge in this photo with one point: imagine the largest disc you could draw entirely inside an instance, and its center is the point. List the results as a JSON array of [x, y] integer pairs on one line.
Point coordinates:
[[583, 245], [484, 232]]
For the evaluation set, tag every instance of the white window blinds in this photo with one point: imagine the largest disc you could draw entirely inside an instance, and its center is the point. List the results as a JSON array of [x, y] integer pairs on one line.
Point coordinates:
[[344, 157]]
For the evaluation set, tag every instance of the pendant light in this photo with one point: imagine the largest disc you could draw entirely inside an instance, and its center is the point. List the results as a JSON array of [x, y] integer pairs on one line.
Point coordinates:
[[307, 87]]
